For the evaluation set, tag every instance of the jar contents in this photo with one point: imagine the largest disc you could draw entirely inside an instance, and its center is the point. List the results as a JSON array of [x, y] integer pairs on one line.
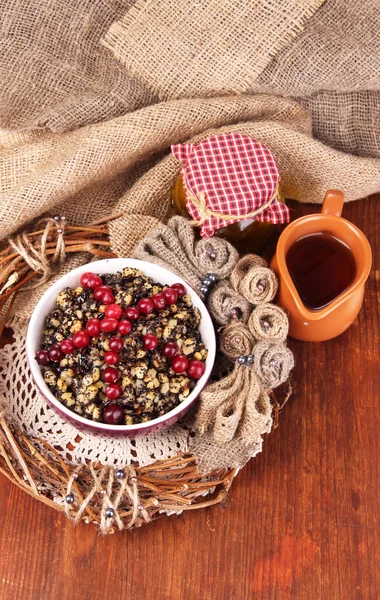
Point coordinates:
[[121, 349], [229, 187], [322, 267]]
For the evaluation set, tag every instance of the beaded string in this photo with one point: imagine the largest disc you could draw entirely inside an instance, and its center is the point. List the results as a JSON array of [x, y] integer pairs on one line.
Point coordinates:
[[109, 514]]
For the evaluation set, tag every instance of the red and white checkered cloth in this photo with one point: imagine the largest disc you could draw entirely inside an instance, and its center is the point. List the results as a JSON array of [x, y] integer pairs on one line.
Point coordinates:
[[236, 174]]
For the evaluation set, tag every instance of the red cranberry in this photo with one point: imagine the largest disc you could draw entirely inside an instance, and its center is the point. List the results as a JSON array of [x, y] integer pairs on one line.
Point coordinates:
[[111, 357], [114, 311], [113, 391], [195, 369], [110, 375], [108, 298], [150, 342], [99, 291], [179, 288], [132, 313], [108, 324], [81, 339], [159, 301], [42, 357], [94, 281], [67, 346], [124, 327], [171, 295], [84, 279], [55, 353], [179, 363], [113, 414], [145, 306], [170, 349], [93, 327], [116, 344]]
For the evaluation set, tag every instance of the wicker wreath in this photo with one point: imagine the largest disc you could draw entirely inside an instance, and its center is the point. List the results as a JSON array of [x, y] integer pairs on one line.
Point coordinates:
[[132, 495]]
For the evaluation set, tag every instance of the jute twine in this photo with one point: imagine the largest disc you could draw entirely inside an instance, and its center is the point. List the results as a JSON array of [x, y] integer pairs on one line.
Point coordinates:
[[199, 201], [37, 258], [103, 484]]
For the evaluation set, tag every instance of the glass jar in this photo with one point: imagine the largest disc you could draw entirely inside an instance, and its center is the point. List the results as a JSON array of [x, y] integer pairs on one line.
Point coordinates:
[[248, 236]]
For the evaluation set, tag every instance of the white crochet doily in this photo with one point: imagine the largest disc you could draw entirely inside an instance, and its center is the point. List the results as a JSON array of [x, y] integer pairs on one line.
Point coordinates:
[[29, 411]]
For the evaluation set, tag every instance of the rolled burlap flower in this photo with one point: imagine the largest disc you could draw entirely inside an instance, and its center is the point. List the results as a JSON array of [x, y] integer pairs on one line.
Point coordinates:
[[211, 255], [214, 255], [225, 304], [236, 406], [253, 280], [268, 322], [163, 247], [236, 340], [273, 362]]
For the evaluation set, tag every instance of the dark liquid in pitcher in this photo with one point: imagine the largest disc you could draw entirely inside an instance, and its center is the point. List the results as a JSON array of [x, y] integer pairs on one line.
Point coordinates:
[[321, 267]]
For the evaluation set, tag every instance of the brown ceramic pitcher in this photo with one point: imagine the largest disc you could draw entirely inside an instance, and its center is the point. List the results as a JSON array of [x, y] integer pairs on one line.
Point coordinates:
[[338, 315]]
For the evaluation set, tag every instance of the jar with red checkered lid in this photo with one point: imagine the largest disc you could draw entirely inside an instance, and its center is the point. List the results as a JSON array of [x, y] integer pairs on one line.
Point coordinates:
[[229, 187]]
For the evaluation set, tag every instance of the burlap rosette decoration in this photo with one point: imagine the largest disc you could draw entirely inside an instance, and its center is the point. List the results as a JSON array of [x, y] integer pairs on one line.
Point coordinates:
[[235, 411]]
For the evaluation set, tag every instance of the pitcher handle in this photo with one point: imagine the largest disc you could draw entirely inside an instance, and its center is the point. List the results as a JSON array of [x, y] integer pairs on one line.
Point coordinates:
[[333, 203]]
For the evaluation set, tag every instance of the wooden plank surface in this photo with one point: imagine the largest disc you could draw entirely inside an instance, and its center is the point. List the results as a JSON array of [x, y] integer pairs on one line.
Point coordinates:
[[303, 520]]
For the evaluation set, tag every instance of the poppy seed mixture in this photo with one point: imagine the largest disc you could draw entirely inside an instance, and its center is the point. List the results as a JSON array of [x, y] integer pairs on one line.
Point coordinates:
[[121, 349]]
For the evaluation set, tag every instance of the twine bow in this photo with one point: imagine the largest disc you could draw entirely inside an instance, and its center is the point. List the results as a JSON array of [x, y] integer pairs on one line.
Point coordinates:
[[200, 203], [36, 257]]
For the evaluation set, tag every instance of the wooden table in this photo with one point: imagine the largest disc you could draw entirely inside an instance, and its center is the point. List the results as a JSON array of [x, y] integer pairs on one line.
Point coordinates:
[[303, 521]]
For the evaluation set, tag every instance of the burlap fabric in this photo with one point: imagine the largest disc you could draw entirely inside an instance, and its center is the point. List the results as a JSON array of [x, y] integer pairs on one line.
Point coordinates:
[[193, 39], [65, 78], [81, 151]]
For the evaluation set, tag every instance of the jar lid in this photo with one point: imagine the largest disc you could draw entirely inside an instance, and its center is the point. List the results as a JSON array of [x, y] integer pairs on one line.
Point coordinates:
[[228, 178]]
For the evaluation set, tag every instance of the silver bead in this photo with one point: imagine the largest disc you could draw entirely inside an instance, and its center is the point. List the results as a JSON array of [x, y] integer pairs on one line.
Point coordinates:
[[211, 277], [109, 513], [134, 479], [59, 230], [75, 475], [265, 324], [211, 254], [275, 364], [140, 507], [233, 312], [204, 289], [241, 360], [249, 359], [103, 492], [56, 218], [120, 474], [261, 285], [237, 339], [63, 218], [69, 499], [206, 282]]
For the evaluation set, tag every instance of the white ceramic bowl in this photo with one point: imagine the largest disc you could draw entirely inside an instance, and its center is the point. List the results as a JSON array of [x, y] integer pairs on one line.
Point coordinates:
[[113, 265]]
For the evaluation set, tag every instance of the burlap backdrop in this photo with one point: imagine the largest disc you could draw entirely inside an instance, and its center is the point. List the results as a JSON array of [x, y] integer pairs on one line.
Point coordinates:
[[91, 139]]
